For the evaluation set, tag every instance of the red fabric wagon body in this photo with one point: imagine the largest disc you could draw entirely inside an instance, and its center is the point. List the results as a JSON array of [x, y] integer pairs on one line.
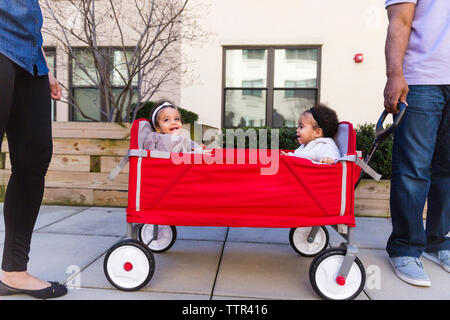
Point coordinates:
[[231, 187]]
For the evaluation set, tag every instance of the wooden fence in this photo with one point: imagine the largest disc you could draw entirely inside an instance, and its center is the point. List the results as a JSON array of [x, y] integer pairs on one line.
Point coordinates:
[[83, 156], [85, 153]]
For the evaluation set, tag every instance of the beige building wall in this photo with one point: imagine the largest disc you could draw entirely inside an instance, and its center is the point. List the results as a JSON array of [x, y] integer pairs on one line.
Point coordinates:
[[342, 28]]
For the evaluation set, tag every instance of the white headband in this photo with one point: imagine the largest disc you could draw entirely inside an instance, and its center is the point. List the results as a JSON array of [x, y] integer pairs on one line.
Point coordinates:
[[165, 104]]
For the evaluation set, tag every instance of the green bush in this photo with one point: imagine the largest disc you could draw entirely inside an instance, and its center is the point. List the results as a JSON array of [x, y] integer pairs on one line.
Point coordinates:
[[287, 137], [144, 112], [381, 160]]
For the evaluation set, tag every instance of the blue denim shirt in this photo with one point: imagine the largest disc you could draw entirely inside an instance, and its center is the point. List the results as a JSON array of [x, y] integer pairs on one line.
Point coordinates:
[[20, 34]]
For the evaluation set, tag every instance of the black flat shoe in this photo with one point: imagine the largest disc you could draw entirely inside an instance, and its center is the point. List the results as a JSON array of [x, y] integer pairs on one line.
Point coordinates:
[[54, 291]]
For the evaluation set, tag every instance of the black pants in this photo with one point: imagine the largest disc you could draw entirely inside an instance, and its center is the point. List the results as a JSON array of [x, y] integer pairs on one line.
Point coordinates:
[[25, 116]]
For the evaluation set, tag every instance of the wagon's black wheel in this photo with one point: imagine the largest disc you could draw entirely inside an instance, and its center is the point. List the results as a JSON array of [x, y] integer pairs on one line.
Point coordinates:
[[298, 238], [166, 237], [323, 275], [129, 265]]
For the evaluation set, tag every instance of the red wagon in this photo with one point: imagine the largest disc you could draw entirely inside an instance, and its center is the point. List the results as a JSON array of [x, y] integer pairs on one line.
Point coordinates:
[[241, 188]]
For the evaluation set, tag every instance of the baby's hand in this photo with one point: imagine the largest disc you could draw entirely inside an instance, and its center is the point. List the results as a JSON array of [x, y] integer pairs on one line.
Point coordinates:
[[327, 160], [205, 150], [284, 153]]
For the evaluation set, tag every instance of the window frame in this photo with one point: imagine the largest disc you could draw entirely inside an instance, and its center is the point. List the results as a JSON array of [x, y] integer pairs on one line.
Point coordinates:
[[50, 51], [270, 77], [73, 110]]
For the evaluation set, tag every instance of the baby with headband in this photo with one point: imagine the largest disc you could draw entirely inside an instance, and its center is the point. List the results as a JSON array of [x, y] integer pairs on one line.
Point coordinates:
[[166, 121], [317, 128]]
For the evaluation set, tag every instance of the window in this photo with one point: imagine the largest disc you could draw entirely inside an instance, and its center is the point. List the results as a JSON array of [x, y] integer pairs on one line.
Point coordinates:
[[269, 86], [253, 54], [50, 56], [86, 93], [252, 84]]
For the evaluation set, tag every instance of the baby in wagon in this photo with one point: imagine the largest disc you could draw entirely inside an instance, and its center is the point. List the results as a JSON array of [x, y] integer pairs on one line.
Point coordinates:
[[316, 129], [168, 135]]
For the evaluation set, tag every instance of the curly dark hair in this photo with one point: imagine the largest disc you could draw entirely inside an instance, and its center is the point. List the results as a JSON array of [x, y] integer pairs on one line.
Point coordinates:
[[326, 119]]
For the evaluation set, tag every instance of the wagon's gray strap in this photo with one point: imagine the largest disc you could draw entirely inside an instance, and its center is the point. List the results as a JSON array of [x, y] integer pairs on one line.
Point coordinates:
[[118, 168], [364, 166], [124, 160], [159, 154], [137, 153]]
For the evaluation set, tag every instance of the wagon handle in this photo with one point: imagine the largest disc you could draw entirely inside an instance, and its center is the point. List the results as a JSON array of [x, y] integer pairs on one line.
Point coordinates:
[[380, 132]]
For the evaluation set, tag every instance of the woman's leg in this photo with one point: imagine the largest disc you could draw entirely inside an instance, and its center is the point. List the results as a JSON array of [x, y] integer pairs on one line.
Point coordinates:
[[30, 146], [7, 76]]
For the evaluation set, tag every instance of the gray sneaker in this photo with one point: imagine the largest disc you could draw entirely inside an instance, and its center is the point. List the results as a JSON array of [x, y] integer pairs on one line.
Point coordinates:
[[410, 269], [441, 257]]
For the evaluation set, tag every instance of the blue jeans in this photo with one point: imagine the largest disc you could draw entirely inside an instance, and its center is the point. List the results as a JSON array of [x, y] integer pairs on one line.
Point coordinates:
[[421, 172]]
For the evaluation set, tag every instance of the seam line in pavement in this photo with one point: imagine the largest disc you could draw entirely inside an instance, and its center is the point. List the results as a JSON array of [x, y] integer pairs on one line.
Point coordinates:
[[56, 221], [220, 262], [91, 263]]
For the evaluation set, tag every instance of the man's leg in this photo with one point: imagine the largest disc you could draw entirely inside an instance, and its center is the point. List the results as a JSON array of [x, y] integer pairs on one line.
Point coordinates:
[[412, 154], [438, 214]]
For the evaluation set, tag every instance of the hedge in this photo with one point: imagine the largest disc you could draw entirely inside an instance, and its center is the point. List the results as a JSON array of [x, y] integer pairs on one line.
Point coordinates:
[[381, 161]]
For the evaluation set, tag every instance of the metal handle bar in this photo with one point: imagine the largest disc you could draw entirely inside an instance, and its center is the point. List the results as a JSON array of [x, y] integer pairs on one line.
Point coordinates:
[[380, 132]]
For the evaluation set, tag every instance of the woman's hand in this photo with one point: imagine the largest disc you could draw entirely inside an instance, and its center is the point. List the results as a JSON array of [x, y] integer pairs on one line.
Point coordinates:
[[55, 88], [284, 153], [327, 160]]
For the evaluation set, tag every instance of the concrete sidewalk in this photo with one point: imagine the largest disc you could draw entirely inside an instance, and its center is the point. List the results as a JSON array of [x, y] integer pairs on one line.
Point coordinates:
[[69, 244]]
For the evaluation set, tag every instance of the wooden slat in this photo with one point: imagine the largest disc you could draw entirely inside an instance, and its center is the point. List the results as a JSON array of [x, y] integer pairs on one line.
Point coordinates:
[[372, 198], [96, 130], [109, 163], [68, 196], [370, 189], [100, 147], [77, 180], [63, 163], [4, 177], [372, 207], [89, 180], [90, 147], [111, 198]]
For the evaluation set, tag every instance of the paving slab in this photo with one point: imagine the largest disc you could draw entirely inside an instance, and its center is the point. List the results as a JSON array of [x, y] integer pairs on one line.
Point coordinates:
[[265, 271], [92, 221], [369, 233], [101, 294], [48, 215], [261, 235], [189, 267], [201, 233], [383, 284], [256, 263], [57, 257]]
